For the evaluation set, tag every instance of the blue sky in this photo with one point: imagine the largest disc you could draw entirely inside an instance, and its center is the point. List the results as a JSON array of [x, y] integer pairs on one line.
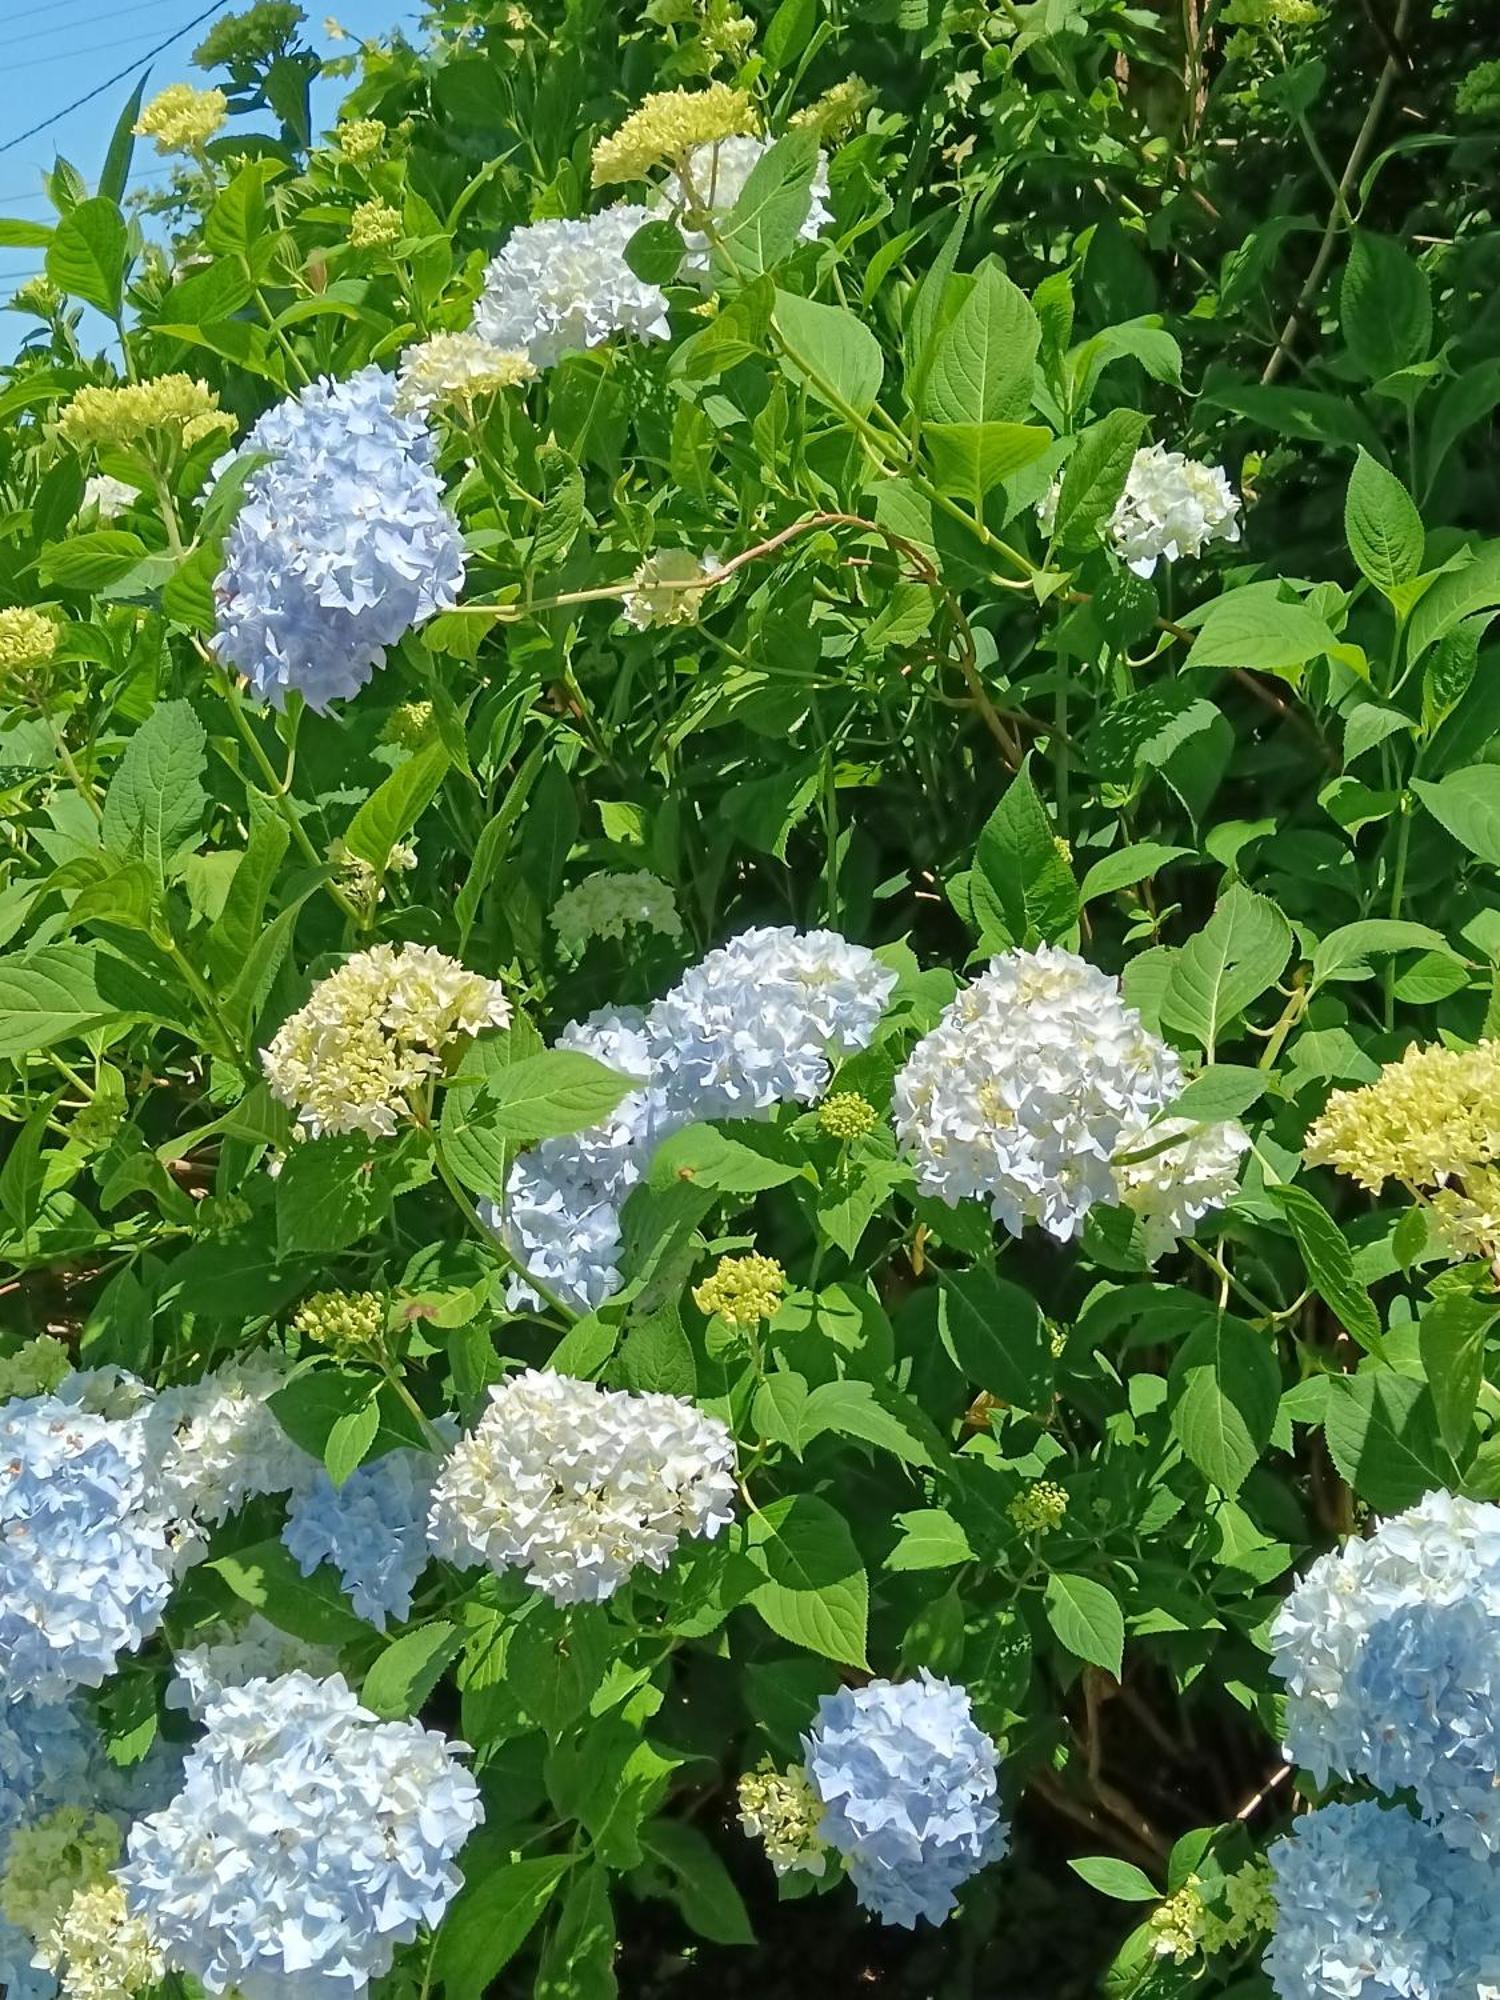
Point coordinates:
[[55, 50]]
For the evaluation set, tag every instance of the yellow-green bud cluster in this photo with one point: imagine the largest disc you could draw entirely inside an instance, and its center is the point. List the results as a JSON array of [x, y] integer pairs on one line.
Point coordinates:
[[1180, 1924], [39, 296], [1478, 94], [408, 726], [28, 638], [1427, 1119], [36, 1367], [181, 119], [743, 1290], [348, 1323], [667, 127], [47, 1863], [130, 411], [360, 138], [1040, 1508], [837, 111], [781, 1810], [847, 1115], [374, 224]]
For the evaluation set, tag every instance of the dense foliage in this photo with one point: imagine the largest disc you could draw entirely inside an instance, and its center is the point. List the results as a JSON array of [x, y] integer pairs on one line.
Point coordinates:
[[747, 956]]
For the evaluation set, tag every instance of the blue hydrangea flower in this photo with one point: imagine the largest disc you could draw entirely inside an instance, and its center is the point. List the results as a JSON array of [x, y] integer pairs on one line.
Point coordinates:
[[1374, 1905], [907, 1780], [372, 1529], [85, 1562], [343, 544], [50, 1756]]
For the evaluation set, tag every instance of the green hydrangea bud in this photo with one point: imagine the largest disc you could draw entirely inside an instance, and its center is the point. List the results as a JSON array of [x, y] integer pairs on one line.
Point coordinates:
[[743, 1290], [348, 1323], [35, 1369], [1040, 1508], [847, 1115]]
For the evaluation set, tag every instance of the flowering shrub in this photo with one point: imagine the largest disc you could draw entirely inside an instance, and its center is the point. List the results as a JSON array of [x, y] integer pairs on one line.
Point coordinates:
[[750, 1013]]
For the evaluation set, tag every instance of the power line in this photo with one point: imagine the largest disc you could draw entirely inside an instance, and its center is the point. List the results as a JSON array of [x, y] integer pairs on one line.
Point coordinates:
[[75, 27], [62, 7], [109, 82], [40, 194], [71, 55]]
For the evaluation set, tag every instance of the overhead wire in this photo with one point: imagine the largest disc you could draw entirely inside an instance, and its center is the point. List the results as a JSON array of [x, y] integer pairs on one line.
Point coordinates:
[[20, 138], [76, 27]]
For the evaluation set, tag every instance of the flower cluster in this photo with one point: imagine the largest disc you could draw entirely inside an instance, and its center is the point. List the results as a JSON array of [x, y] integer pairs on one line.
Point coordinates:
[[231, 1656], [216, 1442], [343, 544], [98, 1950], [838, 110], [608, 903], [27, 638], [106, 497], [759, 1022], [68, 1849], [1034, 1079], [704, 187], [743, 1290], [558, 287], [359, 139], [1172, 506], [846, 1116], [577, 1485], [457, 368], [49, 1757], [668, 127], [781, 1810], [372, 1036], [668, 589], [307, 1842], [181, 119], [374, 224], [35, 1369], [1372, 1905], [1040, 1507], [907, 1782], [1389, 1650], [347, 1323], [85, 1557], [372, 1529], [129, 412]]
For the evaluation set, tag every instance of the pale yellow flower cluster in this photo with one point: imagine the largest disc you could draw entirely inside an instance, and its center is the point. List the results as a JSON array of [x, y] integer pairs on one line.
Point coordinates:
[[838, 110], [181, 119], [743, 1290], [667, 589], [46, 1862], [1432, 1117], [129, 411], [374, 224], [456, 368], [28, 638], [99, 1951], [668, 126], [360, 138], [362, 1051], [781, 1810]]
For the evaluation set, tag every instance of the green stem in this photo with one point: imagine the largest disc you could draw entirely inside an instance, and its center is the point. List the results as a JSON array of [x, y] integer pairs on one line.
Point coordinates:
[[203, 993]]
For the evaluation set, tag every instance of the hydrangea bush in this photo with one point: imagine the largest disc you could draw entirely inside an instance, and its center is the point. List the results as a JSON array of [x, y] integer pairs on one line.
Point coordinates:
[[750, 1012]]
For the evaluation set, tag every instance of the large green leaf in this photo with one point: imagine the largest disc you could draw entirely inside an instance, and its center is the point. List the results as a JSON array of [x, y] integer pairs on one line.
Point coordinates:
[[1086, 1617], [1382, 525], [1239, 952], [1382, 1433], [814, 1590], [1330, 1263], [395, 806], [982, 361], [833, 355], [1385, 306], [65, 990], [86, 257], [1226, 1386], [1454, 1333], [1022, 886], [762, 228], [492, 1917], [156, 797], [1467, 803]]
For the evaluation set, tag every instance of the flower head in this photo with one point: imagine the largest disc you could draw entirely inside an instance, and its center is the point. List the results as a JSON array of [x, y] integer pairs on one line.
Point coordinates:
[[107, 497], [27, 638], [907, 1780], [781, 1810], [838, 110], [743, 1290], [128, 412], [360, 138], [846, 1115], [181, 119], [667, 127], [668, 589], [705, 186], [610, 901], [576, 1485], [308, 1841], [232, 1656], [67, 1849], [1172, 1188], [343, 544], [1039, 1507], [1172, 506], [559, 287], [457, 368], [1426, 1119], [350, 1324], [374, 224], [372, 1530], [217, 1441], [36, 1368], [98, 1950], [1179, 1924], [1024, 1091], [373, 1034]]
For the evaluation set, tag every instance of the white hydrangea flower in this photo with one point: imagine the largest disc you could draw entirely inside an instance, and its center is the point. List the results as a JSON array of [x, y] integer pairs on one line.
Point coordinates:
[[98, 1950], [218, 1442], [1172, 506], [561, 286], [606, 903], [106, 497], [657, 595], [1022, 1093], [715, 179], [372, 1035], [233, 1656], [1176, 1187], [455, 368], [577, 1485], [308, 1841]]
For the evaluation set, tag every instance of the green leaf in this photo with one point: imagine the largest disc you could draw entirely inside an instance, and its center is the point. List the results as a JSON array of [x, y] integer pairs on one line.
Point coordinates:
[[1453, 1334], [401, 1678], [982, 360], [1255, 627], [1330, 1263], [1226, 1387], [237, 220], [1346, 952], [788, 33], [349, 1441], [1094, 478], [1383, 1436], [852, 1408], [1382, 525], [1022, 886], [493, 1915], [970, 460], [114, 175], [156, 797], [395, 806], [1385, 306], [762, 228], [333, 1191], [815, 1592], [930, 1539], [86, 257], [1467, 804], [1086, 1618], [701, 1885], [1120, 1879], [1127, 866], [92, 561], [65, 990], [1222, 1090], [717, 1160], [995, 1333], [1239, 953], [655, 251], [834, 356], [550, 1095], [267, 1578]]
